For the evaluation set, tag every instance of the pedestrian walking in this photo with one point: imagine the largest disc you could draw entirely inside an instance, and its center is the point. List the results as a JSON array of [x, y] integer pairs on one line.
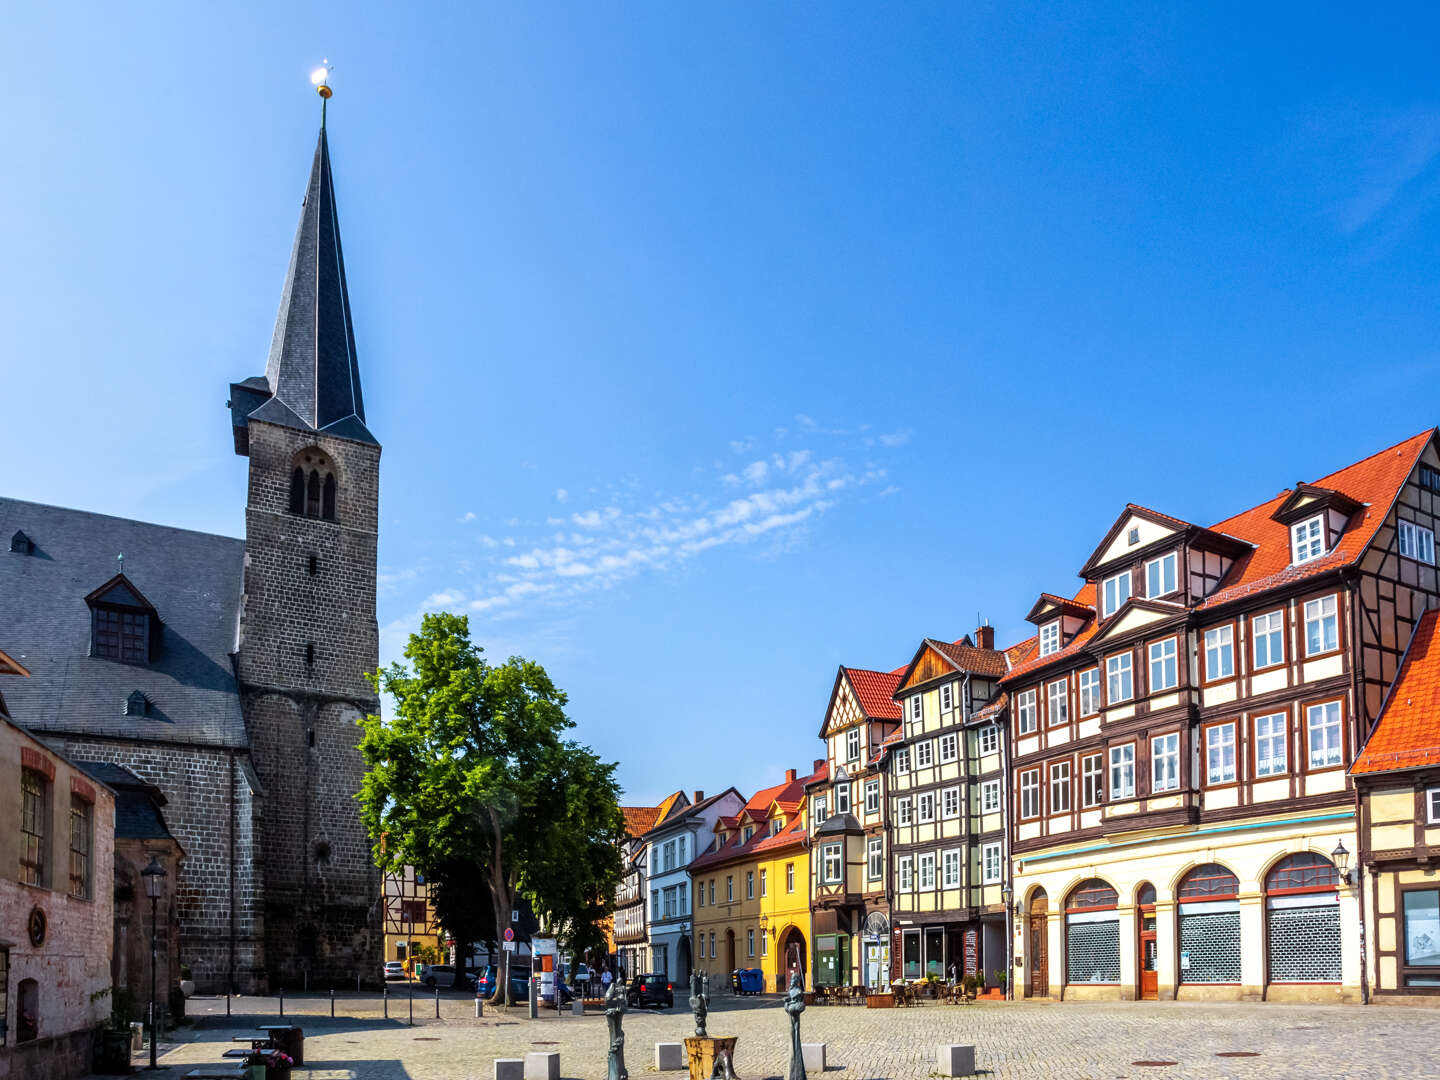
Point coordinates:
[[605, 982]]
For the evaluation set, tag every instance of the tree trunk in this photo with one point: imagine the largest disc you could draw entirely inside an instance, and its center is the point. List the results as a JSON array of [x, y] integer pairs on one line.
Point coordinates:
[[463, 950], [501, 897]]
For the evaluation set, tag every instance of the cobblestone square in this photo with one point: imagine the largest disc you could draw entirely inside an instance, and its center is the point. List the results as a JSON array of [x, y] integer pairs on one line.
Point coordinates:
[[1035, 1041]]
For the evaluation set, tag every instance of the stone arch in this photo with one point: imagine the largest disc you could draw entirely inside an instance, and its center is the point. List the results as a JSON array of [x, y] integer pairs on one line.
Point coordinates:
[[1302, 919], [792, 952], [1207, 917], [313, 484]]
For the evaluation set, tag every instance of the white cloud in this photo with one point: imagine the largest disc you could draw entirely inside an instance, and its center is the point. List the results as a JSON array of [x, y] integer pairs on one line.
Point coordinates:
[[469, 516], [561, 495], [896, 438], [754, 473]]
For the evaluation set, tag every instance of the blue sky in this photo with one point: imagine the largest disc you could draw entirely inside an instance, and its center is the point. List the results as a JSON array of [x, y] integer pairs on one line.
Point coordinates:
[[712, 346]]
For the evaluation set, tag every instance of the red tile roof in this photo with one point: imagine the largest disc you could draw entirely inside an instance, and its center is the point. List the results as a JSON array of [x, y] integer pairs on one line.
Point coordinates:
[[640, 819], [875, 691], [989, 662], [1407, 735]]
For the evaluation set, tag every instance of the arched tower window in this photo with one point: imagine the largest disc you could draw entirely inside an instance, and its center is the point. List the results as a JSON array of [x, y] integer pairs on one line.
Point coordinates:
[[312, 485]]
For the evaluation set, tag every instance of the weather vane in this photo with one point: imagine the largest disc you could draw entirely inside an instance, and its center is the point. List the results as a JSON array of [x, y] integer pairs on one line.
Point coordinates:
[[320, 78]]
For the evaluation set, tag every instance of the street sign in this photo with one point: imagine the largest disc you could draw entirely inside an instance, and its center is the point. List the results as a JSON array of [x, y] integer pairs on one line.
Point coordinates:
[[544, 946], [514, 914], [508, 946], [509, 934]]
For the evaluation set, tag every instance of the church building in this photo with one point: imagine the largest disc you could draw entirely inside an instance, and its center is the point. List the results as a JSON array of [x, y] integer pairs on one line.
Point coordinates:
[[228, 673]]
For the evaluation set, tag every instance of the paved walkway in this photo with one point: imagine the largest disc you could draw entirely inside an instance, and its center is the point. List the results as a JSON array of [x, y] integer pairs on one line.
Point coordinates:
[[1035, 1041]]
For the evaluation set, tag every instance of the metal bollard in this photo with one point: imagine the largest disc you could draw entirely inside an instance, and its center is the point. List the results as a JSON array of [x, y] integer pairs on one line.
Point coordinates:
[[479, 1006], [385, 993], [357, 982], [410, 997], [534, 999], [282, 1003], [437, 1003], [227, 1004], [332, 1004]]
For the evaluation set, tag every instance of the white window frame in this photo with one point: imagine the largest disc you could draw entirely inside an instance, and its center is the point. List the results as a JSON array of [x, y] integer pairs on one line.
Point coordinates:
[[1050, 637], [1432, 806], [832, 875], [902, 761], [925, 807], [822, 810], [1089, 684], [1030, 794], [949, 747], [1092, 780], [852, 744], [1219, 652], [875, 858], [925, 754], [1119, 678], [1060, 778], [1267, 737], [1331, 717], [916, 709], [872, 796], [1323, 613], [1165, 762], [749, 884], [1221, 764], [1122, 771], [764, 882], [1417, 542], [989, 740], [991, 863], [925, 870], [1307, 539], [1114, 599], [764, 943], [789, 877], [950, 868], [1157, 568], [989, 796], [904, 811], [1274, 630], [1057, 702], [1026, 711], [750, 941], [1164, 659], [950, 802], [905, 874], [842, 797], [947, 697]]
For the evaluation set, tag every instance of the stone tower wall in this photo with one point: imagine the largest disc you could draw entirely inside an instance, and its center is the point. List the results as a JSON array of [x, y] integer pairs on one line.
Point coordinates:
[[322, 892]]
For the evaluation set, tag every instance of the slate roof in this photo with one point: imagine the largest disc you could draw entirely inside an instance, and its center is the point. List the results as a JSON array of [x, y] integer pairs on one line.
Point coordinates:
[[137, 804], [192, 578], [312, 377], [1407, 735]]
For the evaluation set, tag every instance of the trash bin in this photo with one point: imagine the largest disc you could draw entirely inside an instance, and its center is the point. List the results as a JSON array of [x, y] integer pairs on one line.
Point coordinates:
[[752, 981]]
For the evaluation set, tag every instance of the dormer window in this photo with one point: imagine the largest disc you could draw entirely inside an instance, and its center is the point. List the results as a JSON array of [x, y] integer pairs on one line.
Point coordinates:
[[1307, 539], [776, 824], [137, 704], [748, 832], [312, 486], [21, 544], [1050, 638], [1115, 590], [1160, 577], [123, 624]]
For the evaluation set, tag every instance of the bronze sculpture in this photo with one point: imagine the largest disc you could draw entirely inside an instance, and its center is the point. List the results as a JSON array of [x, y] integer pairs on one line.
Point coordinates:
[[794, 1006], [700, 1001], [614, 1010]]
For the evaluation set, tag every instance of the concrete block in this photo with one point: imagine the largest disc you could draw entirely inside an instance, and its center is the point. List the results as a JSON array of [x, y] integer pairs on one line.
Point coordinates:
[[669, 1056], [813, 1056], [509, 1069], [577, 1007], [954, 1059], [542, 1066]]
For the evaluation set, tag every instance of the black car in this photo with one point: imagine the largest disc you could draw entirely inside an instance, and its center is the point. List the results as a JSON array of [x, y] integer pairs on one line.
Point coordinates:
[[650, 990]]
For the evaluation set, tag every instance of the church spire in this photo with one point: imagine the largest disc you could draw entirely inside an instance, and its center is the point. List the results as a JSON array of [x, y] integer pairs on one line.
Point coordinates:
[[312, 378]]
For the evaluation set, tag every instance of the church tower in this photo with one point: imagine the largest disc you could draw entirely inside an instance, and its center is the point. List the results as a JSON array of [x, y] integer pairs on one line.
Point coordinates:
[[308, 631]]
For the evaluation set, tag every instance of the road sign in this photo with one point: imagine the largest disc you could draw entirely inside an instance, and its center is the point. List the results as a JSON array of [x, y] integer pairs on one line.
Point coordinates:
[[514, 914], [509, 934], [508, 946]]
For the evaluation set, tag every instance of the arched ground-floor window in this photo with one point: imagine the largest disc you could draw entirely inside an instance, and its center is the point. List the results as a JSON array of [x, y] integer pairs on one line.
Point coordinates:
[[1208, 904], [1092, 934], [1302, 920]]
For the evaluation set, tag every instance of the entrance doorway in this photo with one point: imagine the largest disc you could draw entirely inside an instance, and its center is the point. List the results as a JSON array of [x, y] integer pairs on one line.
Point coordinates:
[[1148, 985], [792, 948], [1038, 949], [682, 959], [729, 950]]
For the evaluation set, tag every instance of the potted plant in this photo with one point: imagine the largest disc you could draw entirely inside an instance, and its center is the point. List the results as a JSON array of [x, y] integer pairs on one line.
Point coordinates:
[[187, 984], [112, 1047], [1001, 977]]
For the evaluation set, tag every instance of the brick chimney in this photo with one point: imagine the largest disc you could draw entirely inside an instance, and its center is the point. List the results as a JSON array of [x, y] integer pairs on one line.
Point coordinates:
[[985, 637], [789, 775], [819, 764], [699, 796]]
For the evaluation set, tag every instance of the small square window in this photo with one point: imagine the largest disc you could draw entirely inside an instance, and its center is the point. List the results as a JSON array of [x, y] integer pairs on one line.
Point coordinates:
[[1307, 540], [1050, 638]]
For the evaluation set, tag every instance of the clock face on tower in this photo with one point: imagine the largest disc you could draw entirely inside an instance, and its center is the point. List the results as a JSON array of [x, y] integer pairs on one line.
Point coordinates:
[[36, 926]]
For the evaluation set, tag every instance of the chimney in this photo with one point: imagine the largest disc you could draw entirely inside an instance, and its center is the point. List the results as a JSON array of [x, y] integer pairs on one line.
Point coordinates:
[[789, 775], [699, 796], [819, 764], [985, 637]]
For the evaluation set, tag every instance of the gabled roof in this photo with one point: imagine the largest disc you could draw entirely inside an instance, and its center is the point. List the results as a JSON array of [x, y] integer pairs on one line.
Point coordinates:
[[1135, 612], [875, 690], [137, 803], [1050, 606], [1309, 499], [680, 815], [968, 657], [1407, 734], [639, 819], [1031, 659]]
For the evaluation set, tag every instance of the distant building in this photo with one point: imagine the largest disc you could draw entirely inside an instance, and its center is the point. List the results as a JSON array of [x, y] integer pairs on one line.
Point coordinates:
[[628, 926], [409, 917]]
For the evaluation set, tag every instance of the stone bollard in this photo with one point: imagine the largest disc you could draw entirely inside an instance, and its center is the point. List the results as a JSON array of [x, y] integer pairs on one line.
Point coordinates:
[[813, 1054], [669, 1056], [509, 1069], [282, 1003], [577, 1007], [385, 997], [954, 1059], [542, 1066]]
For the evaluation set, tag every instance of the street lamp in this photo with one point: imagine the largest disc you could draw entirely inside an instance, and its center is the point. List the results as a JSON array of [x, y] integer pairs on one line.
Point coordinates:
[[1341, 858], [154, 876]]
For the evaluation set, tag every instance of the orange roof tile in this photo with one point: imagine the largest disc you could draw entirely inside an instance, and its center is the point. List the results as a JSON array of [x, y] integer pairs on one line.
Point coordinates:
[[875, 690], [639, 819], [970, 658], [1407, 735]]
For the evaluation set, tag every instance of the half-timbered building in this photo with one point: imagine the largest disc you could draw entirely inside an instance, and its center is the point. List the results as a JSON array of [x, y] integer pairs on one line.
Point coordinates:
[[629, 948], [849, 903], [1181, 734]]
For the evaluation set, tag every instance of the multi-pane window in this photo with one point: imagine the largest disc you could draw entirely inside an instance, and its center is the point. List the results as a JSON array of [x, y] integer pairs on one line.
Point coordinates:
[[1432, 806], [852, 744], [749, 884], [1092, 780], [764, 944], [842, 798], [789, 877], [121, 635], [1089, 691], [875, 858], [949, 747], [1270, 742], [1220, 652], [1307, 540], [1058, 700], [1267, 633], [924, 754], [902, 760], [1165, 762], [1116, 590], [822, 809], [729, 888], [1060, 787], [1417, 542], [700, 894], [947, 697], [872, 796], [989, 740], [750, 941], [1120, 677], [915, 707], [712, 891], [1025, 711], [1160, 576], [904, 811], [33, 787], [1163, 668], [1050, 638], [925, 807], [950, 802], [764, 882], [926, 866], [1030, 794], [1220, 754], [905, 874], [989, 796], [655, 903], [82, 816], [990, 863], [950, 869], [830, 855], [1323, 725], [1321, 626], [1122, 771]]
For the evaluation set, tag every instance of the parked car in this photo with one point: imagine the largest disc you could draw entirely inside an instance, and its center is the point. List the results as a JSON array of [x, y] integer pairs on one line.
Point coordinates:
[[444, 975], [650, 990], [394, 969], [519, 982]]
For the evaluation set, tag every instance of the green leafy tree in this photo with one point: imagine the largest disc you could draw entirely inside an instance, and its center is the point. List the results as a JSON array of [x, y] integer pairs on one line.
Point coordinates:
[[473, 782]]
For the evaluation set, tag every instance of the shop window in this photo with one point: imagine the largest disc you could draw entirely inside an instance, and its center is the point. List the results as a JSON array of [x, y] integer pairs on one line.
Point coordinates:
[[1421, 910], [1302, 916], [1209, 925], [1092, 934]]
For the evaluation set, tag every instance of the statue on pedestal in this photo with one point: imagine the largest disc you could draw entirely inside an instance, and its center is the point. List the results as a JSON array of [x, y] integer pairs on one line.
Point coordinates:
[[700, 1001], [794, 1006], [614, 1010]]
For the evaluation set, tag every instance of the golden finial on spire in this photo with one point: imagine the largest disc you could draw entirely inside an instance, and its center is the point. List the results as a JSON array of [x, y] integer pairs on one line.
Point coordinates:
[[320, 77]]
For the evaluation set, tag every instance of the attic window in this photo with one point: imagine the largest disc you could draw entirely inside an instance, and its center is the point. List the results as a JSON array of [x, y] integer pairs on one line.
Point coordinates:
[[1132, 537], [137, 704], [1307, 539], [21, 544], [1050, 638], [124, 625]]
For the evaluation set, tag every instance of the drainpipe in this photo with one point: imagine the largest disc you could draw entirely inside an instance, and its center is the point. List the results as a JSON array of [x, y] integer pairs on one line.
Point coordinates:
[[1360, 850], [230, 975]]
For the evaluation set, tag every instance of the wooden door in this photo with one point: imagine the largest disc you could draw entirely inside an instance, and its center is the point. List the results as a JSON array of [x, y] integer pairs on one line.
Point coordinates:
[[1039, 955], [1148, 954]]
